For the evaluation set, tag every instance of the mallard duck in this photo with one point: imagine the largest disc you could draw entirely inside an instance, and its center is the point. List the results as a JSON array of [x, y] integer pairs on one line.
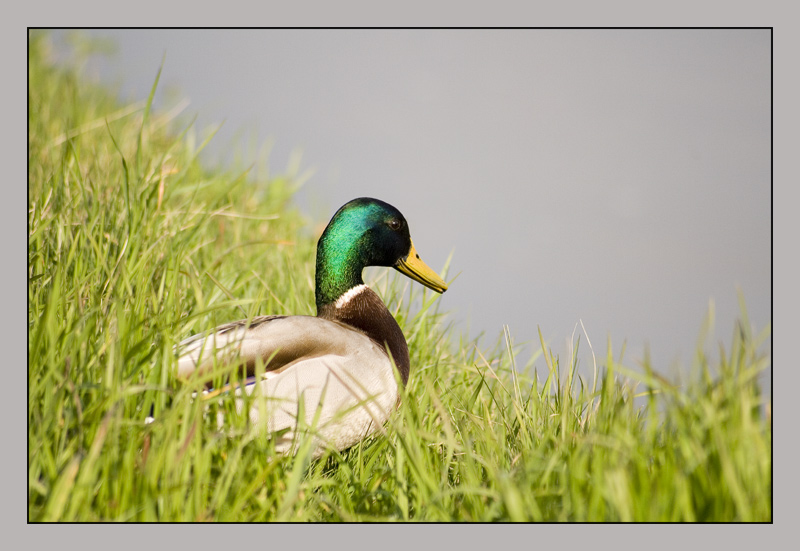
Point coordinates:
[[340, 363]]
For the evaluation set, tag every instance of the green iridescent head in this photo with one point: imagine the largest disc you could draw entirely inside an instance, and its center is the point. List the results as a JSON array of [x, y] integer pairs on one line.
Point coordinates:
[[366, 232]]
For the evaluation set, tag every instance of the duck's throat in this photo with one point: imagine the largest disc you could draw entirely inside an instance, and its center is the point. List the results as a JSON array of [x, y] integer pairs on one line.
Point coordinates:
[[361, 308], [338, 269]]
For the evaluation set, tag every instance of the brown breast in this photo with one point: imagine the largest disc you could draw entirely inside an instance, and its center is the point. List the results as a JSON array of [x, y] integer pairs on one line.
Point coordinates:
[[366, 312]]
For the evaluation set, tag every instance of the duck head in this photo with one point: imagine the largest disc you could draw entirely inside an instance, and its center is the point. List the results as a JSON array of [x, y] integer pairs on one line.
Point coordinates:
[[366, 232]]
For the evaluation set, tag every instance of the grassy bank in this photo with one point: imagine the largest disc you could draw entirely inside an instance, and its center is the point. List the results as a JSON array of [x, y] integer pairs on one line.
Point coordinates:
[[133, 245]]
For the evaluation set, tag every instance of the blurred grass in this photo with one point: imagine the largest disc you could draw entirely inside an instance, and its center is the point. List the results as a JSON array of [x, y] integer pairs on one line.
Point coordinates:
[[133, 245]]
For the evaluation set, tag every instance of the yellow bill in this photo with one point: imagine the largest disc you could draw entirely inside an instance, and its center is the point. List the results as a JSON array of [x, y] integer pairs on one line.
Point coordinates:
[[416, 269]]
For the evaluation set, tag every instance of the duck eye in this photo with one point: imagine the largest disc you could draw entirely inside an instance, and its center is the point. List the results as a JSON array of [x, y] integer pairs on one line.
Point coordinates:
[[395, 224]]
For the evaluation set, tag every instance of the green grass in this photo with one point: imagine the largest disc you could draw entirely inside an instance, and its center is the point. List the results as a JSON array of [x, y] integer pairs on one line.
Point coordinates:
[[133, 245]]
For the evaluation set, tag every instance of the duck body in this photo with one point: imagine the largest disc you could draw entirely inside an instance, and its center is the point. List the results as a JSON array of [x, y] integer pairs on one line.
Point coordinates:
[[336, 368]]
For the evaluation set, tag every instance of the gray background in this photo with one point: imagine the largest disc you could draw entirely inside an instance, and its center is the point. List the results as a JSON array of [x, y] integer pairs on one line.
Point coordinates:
[[619, 177]]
